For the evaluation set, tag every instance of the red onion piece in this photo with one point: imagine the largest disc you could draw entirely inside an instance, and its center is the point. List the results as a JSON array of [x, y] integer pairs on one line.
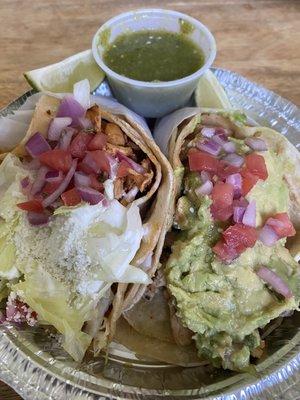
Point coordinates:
[[249, 217], [135, 166], [66, 138], [37, 145], [26, 186], [238, 213], [85, 123], [274, 280], [235, 180], [54, 176], [56, 126], [204, 189], [234, 159], [229, 147], [220, 138], [210, 147], [37, 219], [241, 202], [205, 176], [256, 144], [69, 107], [25, 182], [91, 196], [90, 162], [268, 236], [81, 179], [208, 132], [39, 182], [113, 165], [62, 187], [223, 131]]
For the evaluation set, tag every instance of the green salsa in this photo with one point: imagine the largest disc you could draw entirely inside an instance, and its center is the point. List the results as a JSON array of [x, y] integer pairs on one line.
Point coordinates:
[[153, 55]]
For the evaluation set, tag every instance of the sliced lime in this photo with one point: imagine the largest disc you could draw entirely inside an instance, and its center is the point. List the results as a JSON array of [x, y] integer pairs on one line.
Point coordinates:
[[210, 93], [60, 77]]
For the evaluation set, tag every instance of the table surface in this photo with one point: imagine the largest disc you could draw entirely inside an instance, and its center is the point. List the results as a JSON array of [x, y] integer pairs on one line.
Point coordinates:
[[258, 39]]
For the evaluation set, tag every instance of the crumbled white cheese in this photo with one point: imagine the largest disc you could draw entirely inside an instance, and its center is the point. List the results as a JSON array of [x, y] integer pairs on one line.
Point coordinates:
[[85, 248]]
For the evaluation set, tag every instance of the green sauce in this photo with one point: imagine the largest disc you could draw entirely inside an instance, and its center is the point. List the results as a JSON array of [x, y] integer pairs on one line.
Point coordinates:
[[153, 55], [186, 27]]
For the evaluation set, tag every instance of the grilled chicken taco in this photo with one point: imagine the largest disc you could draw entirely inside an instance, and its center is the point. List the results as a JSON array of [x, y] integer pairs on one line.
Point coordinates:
[[83, 197], [230, 260]]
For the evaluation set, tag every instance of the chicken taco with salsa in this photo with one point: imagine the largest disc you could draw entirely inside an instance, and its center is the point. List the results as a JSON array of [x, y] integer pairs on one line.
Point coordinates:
[[83, 196]]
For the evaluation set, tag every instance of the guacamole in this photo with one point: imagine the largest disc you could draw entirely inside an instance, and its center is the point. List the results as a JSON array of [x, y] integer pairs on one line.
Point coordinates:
[[225, 304], [153, 55]]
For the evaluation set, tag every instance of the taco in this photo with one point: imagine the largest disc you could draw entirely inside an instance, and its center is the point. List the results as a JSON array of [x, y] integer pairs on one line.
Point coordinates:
[[83, 196], [230, 259]]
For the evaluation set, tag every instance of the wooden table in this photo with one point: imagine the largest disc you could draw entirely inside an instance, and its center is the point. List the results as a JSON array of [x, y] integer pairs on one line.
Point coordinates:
[[258, 39]]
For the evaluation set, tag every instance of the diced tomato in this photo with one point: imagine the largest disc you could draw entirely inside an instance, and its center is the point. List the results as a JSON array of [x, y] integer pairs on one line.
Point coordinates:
[[249, 180], [282, 225], [50, 187], [102, 161], [240, 236], [98, 142], [199, 161], [79, 144], [39, 197], [224, 170], [57, 159], [71, 197], [95, 184], [222, 195], [83, 167], [224, 252], [221, 214], [32, 205], [255, 163], [123, 169]]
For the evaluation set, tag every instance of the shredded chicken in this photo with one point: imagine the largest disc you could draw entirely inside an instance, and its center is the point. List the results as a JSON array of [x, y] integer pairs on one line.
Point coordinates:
[[94, 115], [146, 164], [115, 135], [113, 149], [139, 180], [118, 188]]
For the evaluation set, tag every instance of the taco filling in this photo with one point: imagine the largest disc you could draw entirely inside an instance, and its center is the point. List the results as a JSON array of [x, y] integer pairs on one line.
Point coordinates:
[[71, 225], [229, 270]]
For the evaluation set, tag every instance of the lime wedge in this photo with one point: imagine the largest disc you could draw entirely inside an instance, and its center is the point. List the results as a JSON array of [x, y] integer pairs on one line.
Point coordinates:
[[60, 77], [210, 93]]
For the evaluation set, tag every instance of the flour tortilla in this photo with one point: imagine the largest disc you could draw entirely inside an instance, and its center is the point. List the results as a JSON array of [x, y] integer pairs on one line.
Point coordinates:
[[154, 204], [155, 349]]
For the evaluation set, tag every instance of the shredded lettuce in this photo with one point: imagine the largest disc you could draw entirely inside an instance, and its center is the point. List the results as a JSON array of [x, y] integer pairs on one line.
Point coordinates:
[[11, 173], [66, 268], [50, 299]]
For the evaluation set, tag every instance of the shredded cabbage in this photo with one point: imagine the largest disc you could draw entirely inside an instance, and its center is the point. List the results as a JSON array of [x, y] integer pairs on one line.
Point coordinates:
[[11, 173], [50, 299]]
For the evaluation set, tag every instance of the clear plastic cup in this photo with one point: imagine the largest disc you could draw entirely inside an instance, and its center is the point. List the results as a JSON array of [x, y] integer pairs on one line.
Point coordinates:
[[153, 99]]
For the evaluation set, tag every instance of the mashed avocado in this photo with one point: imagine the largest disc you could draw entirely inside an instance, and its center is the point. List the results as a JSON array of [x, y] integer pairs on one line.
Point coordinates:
[[225, 304]]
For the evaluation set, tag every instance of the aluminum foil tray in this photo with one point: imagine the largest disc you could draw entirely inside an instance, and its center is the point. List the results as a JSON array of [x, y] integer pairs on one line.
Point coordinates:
[[37, 368]]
